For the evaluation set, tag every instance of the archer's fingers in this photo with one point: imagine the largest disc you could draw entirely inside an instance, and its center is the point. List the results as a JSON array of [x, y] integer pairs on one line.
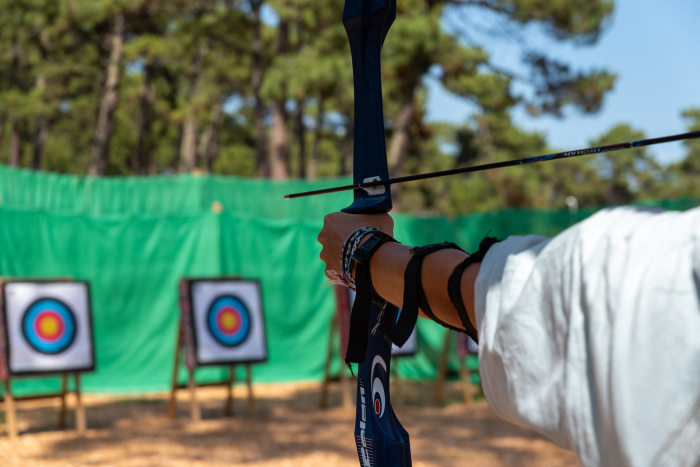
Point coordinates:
[[325, 254]]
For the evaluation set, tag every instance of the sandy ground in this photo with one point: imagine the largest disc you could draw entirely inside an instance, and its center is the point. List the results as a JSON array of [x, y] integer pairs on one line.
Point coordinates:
[[287, 430]]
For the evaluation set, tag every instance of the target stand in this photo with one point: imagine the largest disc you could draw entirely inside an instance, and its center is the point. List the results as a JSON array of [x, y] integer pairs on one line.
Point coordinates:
[[467, 355], [409, 349], [339, 331], [221, 324], [45, 329]]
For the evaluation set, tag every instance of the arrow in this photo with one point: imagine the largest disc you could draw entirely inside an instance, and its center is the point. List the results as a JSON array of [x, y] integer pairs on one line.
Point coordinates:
[[497, 165]]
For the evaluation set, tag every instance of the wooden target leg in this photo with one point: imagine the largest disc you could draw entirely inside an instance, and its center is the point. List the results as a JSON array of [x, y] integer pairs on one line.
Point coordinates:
[[64, 391], [11, 415], [442, 369], [323, 402], [228, 410], [249, 383], [466, 381], [80, 418], [172, 402], [194, 405]]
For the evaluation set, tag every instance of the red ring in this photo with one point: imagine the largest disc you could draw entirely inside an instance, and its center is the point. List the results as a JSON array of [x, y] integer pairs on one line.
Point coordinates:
[[239, 320], [43, 314]]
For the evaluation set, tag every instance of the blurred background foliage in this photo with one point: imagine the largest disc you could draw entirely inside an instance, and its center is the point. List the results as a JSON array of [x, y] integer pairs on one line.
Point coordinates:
[[263, 88]]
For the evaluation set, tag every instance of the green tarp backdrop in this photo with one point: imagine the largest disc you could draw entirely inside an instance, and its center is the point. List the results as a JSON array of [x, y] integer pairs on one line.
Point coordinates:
[[134, 238]]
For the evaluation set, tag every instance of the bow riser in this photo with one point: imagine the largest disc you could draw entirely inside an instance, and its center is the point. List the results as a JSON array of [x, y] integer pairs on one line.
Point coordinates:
[[366, 24]]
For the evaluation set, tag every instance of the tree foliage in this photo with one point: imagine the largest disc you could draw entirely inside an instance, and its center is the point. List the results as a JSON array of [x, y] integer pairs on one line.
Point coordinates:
[[264, 88], [684, 176]]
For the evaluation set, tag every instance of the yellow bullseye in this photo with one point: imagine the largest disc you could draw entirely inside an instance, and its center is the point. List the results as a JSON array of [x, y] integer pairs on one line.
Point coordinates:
[[229, 321], [49, 327]]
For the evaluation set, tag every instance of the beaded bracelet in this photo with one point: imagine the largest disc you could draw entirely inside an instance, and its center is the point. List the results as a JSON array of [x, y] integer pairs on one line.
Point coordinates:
[[344, 252], [349, 250], [350, 245], [347, 263]]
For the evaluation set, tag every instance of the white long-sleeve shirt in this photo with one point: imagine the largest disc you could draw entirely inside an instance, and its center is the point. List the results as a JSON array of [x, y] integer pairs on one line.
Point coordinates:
[[592, 338]]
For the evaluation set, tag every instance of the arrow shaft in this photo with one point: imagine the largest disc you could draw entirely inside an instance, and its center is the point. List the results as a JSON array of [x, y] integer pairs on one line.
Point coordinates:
[[498, 165]]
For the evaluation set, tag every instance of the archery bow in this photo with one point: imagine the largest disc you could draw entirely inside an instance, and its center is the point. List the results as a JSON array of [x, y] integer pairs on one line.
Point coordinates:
[[381, 440], [367, 184]]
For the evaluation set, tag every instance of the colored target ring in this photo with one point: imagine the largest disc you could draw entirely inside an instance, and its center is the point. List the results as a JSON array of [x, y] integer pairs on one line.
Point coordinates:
[[229, 321], [49, 326]]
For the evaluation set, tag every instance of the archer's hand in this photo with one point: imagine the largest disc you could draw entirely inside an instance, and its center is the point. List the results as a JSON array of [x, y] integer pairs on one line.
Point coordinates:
[[339, 225]]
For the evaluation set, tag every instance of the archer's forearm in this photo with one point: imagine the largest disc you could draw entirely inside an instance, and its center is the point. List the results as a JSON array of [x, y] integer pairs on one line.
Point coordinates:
[[389, 263]]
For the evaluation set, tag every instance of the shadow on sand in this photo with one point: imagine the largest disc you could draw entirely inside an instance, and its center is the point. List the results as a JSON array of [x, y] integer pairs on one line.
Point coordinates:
[[287, 429]]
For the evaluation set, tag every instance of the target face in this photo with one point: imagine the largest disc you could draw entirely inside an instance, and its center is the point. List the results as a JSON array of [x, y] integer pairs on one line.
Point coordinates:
[[410, 347], [49, 326], [229, 321]]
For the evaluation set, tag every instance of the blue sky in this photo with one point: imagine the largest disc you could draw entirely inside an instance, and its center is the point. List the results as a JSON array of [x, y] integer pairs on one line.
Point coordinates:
[[653, 46]]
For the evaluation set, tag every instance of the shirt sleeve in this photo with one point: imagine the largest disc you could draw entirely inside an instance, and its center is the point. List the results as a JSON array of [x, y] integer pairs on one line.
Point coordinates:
[[592, 338]]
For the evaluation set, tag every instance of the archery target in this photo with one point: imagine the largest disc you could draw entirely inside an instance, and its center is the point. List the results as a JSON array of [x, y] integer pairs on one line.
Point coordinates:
[[228, 321], [410, 347], [48, 327]]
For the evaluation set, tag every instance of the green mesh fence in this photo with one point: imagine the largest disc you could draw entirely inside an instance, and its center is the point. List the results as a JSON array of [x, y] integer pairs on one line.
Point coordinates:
[[134, 238]]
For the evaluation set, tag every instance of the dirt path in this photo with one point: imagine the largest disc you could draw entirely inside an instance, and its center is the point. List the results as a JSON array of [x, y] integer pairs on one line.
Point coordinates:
[[288, 430]]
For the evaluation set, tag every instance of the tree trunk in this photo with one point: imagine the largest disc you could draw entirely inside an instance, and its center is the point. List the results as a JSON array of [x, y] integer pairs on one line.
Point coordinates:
[[142, 156], [15, 141], [261, 138], [301, 134], [399, 146], [188, 146], [41, 133], [256, 83], [212, 151], [301, 102], [318, 133], [2, 134], [208, 142], [41, 123], [41, 129], [400, 138], [347, 148], [108, 102], [281, 140], [485, 142]]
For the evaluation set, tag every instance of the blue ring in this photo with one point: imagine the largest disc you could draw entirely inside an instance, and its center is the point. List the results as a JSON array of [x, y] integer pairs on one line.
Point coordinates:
[[35, 341], [217, 334]]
